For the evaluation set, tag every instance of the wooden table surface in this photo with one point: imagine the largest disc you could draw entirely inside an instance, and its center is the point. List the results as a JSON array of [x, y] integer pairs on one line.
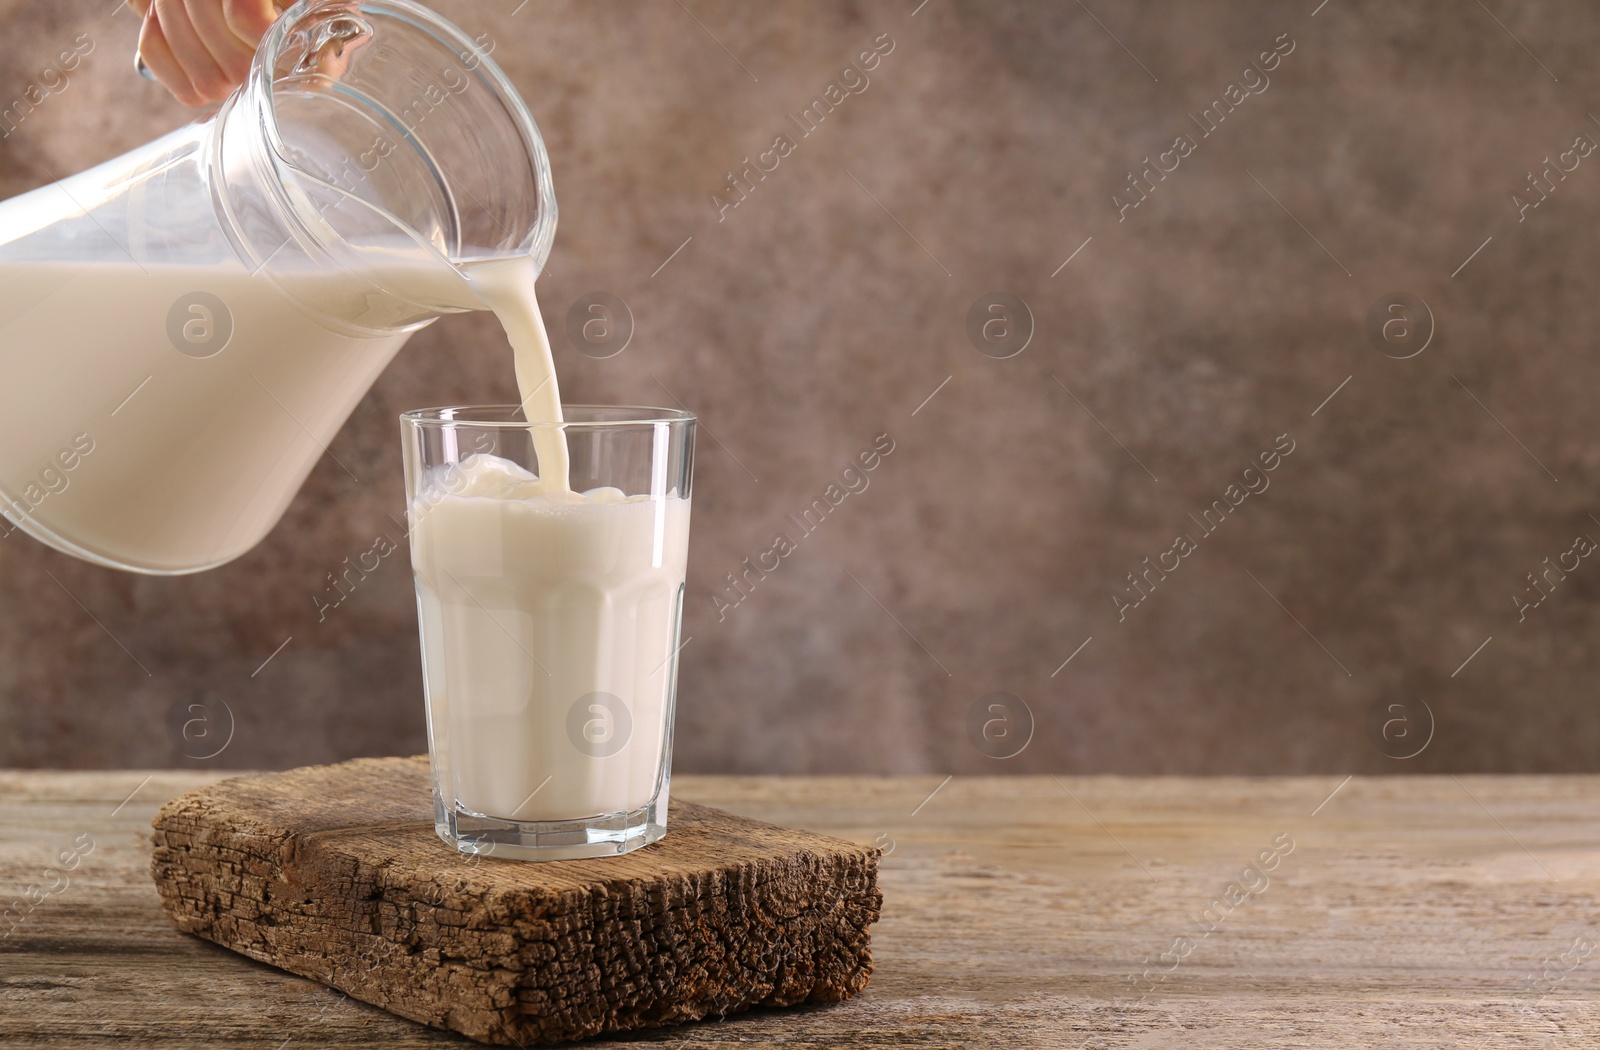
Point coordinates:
[[1018, 912]]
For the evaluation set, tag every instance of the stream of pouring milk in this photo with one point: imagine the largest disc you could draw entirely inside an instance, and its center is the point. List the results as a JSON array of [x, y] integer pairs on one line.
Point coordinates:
[[506, 286]]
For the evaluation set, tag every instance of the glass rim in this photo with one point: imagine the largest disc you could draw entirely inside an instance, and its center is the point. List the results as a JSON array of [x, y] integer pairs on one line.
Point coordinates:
[[629, 415]]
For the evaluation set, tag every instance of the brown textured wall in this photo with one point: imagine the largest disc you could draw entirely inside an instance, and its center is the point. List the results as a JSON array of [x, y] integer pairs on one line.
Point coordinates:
[[1196, 328]]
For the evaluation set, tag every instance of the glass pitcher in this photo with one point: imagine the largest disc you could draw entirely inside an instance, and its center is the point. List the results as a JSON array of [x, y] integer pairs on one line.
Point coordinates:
[[184, 329]]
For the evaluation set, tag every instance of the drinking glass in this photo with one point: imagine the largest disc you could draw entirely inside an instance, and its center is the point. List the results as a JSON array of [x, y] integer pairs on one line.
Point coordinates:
[[550, 621]]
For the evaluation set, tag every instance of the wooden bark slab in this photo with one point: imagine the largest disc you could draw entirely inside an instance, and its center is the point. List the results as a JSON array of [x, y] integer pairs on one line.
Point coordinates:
[[334, 873]]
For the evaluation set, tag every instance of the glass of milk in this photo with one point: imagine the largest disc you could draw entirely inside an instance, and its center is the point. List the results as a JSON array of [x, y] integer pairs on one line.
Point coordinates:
[[549, 560]]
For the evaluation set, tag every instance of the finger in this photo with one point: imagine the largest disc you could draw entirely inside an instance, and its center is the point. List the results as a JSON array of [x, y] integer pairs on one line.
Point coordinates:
[[249, 19], [142, 7], [159, 59], [231, 54], [207, 78]]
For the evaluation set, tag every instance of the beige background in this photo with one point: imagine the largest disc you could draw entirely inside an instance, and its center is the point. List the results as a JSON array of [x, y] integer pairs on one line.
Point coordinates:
[[1215, 316]]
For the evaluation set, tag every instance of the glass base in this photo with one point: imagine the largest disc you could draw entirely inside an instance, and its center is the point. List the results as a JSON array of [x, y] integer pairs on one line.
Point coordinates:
[[606, 835]]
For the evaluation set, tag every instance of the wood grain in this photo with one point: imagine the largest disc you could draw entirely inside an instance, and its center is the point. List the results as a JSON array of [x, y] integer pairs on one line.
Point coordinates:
[[335, 873], [1412, 912]]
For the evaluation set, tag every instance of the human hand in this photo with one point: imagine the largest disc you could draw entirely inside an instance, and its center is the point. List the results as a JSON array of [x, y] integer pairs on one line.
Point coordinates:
[[200, 50]]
